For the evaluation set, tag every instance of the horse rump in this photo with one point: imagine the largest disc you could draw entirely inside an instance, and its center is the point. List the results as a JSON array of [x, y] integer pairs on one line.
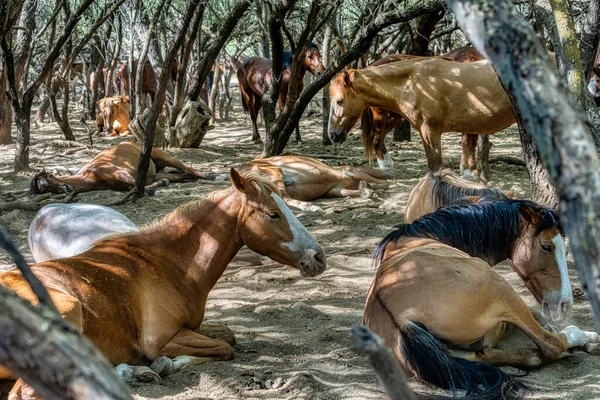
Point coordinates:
[[425, 354]]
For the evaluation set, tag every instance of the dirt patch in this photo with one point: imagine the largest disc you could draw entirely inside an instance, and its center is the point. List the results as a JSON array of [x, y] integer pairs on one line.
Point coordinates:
[[288, 327]]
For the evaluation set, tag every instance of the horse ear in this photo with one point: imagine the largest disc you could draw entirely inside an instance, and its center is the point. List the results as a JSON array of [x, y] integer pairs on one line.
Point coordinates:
[[530, 214], [125, 99], [510, 194], [347, 78], [238, 180], [472, 199]]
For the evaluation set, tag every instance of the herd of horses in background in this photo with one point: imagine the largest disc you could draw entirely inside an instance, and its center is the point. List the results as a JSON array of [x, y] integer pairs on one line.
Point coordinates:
[[140, 294]]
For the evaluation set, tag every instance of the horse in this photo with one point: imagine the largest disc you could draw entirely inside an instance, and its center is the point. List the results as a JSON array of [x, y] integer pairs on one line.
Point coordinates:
[[303, 179], [114, 115], [149, 81], [376, 123], [436, 190], [438, 96], [63, 230], [441, 308], [115, 169], [255, 75], [142, 296]]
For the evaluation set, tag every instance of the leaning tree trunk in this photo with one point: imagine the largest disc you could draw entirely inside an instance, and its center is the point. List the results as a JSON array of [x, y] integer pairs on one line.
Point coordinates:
[[564, 141], [326, 59]]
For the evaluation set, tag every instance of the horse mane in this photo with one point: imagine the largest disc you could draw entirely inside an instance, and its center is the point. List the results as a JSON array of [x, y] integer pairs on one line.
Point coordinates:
[[448, 188], [259, 182], [485, 229]]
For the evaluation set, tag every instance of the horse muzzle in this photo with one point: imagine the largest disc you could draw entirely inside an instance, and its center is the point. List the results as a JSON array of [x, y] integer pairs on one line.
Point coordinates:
[[556, 307], [337, 136], [312, 263]]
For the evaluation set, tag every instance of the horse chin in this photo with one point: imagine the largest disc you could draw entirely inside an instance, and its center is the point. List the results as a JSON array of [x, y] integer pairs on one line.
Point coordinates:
[[313, 263], [338, 136]]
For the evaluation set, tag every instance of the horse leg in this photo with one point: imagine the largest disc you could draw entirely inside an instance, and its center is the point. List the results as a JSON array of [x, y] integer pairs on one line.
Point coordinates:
[[254, 108], [298, 138], [432, 142], [467, 159], [357, 176], [191, 348], [218, 332], [162, 159], [362, 191]]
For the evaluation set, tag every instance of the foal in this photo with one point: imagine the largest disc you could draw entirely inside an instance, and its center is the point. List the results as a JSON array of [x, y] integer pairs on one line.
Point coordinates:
[[435, 292], [141, 296]]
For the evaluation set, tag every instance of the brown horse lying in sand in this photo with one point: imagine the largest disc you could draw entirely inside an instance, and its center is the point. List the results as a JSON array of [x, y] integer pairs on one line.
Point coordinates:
[[466, 98], [114, 115], [441, 189], [115, 169], [141, 296], [441, 308], [302, 179]]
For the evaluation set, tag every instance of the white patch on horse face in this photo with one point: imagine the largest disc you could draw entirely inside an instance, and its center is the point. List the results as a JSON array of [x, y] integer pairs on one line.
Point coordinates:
[[560, 254], [302, 240], [389, 163], [330, 115]]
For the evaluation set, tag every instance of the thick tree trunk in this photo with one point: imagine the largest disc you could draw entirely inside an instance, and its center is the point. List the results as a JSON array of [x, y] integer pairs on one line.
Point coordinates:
[[5, 109], [62, 117], [499, 31], [423, 29], [590, 38]]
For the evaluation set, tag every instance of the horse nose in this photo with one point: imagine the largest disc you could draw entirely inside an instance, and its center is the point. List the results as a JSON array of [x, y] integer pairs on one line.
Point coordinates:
[[556, 310], [313, 263]]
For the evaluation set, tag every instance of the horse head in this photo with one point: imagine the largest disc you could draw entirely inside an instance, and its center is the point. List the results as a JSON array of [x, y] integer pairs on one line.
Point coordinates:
[[345, 106], [267, 226], [112, 108], [312, 59], [539, 258], [45, 182]]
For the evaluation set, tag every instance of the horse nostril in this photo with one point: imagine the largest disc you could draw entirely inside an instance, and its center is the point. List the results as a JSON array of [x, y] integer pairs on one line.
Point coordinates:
[[320, 257], [564, 307]]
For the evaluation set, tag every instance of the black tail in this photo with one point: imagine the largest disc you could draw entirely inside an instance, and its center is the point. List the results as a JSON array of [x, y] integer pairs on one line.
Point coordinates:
[[429, 359]]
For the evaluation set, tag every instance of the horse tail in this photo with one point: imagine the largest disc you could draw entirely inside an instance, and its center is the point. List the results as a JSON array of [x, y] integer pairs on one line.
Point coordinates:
[[241, 75], [424, 353], [366, 125]]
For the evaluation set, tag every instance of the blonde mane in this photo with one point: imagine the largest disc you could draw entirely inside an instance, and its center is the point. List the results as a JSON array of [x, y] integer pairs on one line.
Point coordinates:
[[259, 182]]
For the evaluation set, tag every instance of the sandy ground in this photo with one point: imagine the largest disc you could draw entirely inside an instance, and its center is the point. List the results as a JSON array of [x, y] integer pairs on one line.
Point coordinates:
[[288, 327]]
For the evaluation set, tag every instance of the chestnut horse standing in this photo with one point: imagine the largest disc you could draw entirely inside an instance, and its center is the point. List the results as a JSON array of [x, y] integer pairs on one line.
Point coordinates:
[[434, 94], [149, 81], [302, 179], [114, 115], [142, 296], [376, 123], [255, 75], [441, 189], [441, 308], [115, 169]]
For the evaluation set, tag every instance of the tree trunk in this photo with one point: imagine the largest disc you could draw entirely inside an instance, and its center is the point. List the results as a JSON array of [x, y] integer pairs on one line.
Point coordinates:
[[159, 100], [423, 29], [590, 38], [5, 110], [568, 56], [225, 98], [62, 118], [110, 87], [402, 131], [326, 59], [212, 98], [499, 31]]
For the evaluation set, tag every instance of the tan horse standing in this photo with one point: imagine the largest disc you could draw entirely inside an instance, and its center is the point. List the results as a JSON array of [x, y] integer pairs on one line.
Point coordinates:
[[435, 95], [302, 179], [441, 189], [116, 168], [143, 295], [434, 292]]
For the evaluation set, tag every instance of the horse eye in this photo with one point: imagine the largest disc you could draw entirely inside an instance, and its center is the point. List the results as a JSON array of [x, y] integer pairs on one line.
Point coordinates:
[[340, 101], [547, 248], [273, 215]]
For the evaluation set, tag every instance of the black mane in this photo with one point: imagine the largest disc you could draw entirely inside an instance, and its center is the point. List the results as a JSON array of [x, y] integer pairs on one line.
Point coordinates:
[[445, 193], [34, 190], [485, 229]]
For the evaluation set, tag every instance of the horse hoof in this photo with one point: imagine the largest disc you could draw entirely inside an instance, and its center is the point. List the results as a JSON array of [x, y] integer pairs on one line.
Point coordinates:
[[366, 193], [592, 348], [145, 374], [164, 182], [362, 185], [163, 365], [299, 143], [125, 372]]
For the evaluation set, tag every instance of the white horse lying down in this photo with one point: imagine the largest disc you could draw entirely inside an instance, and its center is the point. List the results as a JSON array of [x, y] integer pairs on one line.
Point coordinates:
[[65, 230]]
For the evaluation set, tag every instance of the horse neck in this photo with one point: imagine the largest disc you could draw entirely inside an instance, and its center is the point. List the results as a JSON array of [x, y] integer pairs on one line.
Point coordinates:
[[81, 182], [200, 243], [380, 90]]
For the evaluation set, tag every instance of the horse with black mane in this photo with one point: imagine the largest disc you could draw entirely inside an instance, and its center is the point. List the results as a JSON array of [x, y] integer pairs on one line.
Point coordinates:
[[441, 308], [256, 73]]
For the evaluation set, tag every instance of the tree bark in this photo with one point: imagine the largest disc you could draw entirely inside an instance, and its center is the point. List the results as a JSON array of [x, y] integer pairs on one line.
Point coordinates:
[[424, 27], [590, 38], [326, 59], [212, 98], [5, 110], [498, 30], [110, 87]]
